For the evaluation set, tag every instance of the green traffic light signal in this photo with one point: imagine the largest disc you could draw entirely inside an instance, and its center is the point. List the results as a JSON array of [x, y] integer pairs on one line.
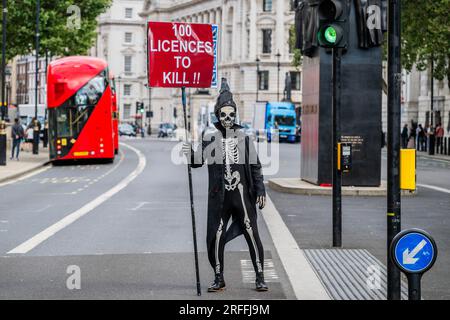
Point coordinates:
[[333, 23], [330, 34]]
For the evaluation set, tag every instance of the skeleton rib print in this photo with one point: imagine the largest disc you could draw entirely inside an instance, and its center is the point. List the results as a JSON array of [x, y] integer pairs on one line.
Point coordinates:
[[230, 156]]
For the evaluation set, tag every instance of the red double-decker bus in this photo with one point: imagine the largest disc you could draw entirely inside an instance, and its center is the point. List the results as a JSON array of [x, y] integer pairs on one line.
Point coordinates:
[[80, 109]]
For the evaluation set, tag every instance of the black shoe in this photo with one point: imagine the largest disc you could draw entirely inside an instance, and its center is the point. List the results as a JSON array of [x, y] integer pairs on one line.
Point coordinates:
[[259, 282], [218, 284]]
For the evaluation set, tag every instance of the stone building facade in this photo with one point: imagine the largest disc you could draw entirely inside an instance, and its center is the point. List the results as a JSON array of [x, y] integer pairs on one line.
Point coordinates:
[[248, 30]]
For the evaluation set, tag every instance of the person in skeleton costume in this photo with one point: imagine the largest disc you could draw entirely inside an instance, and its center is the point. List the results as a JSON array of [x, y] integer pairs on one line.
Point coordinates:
[[235, 188]]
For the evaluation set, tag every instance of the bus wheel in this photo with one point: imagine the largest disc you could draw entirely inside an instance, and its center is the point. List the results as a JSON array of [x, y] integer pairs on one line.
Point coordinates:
[[109, 160], [116, 151]]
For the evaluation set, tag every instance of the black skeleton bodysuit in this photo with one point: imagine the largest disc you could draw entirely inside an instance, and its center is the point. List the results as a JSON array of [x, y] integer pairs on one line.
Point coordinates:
[[238, 206]]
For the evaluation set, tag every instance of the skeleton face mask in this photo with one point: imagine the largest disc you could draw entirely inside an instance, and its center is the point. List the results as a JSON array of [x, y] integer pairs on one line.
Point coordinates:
[[227, 117]]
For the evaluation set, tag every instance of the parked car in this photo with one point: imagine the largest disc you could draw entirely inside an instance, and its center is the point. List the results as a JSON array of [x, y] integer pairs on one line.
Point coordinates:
[[166, 130], [126, 129]]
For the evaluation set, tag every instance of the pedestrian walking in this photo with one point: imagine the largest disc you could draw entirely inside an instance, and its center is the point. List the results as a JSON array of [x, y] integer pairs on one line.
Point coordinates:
[[236, 186], [412, 137], [29, 138], [439, 136], [421, 138], [17, 135], [45, 135], [32, 124], [405, 136]]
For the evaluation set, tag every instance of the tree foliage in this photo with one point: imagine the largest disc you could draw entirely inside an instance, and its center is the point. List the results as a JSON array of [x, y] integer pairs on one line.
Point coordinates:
[[59, 32], [426, 35], [425, 31], [297, 58]]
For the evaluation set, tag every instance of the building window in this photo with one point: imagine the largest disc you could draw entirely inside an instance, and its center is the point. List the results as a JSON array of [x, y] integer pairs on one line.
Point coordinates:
[[127, 89], [267, 5], [128, 37], [263, 80], [127, 63], [296, 80], [126, 111], [267, 41], [128, 13]]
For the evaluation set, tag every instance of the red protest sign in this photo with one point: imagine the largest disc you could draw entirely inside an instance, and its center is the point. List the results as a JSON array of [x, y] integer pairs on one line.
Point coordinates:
[[182, 54]]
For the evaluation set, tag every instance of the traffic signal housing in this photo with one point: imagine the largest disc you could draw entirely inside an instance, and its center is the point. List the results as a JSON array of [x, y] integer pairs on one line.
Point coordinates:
[[333, 23], [140, 107]]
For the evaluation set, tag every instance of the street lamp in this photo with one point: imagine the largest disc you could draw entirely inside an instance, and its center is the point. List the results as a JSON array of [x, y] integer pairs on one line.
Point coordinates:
[[8, 89], [118, 94], [278, 55], [2, 110], [257, 78]]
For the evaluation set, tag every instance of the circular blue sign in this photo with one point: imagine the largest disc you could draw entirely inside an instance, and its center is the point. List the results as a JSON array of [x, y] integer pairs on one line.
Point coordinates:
[[414, 251]]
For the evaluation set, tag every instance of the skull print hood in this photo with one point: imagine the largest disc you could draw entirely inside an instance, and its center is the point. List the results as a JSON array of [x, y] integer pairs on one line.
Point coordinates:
[[225, 98]]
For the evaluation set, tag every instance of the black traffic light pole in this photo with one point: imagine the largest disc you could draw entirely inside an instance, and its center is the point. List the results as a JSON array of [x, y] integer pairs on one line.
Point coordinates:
[[337, 174], [393, 154], [333, 33], [4, 109], [36, 83]]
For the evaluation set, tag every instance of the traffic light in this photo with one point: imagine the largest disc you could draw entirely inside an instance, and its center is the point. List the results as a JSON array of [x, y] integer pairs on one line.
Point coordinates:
[[140, 107], [333, 23]]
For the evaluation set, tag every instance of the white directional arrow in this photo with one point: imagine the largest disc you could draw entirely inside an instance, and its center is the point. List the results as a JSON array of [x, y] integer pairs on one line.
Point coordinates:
[[408, 257]]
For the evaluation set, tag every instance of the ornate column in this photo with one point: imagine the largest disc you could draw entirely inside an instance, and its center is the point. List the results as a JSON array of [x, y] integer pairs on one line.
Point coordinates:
[[243, 33], [235, 41], [252, 24], [223, 33], [279, 29]]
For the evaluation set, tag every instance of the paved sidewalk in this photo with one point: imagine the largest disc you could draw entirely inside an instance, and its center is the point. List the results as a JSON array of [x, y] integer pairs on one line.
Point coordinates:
[[435, 156], [27, 163], [298, 186]]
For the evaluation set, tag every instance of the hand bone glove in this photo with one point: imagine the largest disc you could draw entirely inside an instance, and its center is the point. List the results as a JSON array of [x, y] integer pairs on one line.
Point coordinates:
[[261, 201]]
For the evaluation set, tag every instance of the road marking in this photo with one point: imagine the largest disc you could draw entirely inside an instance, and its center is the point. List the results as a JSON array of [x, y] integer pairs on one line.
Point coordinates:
[[98, 178], [248, 272], [140, 205], [304, 281], [25, 176], [74, 216], [434, 188], [42, 209]]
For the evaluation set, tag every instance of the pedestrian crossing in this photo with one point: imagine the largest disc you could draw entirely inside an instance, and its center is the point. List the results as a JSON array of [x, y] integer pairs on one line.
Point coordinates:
[[248, 272]]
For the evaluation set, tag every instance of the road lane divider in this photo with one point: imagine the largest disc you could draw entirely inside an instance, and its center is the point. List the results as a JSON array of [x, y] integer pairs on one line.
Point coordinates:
[[433, 188], [304, 281], [23, 176], [74, 216]]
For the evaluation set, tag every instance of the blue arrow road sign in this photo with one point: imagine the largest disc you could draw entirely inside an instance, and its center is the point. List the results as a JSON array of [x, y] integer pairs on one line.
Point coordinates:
[[414, 252]]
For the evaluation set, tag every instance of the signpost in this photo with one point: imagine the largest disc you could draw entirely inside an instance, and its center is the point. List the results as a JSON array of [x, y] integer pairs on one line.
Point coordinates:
[[183, 55], [414, 252]]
